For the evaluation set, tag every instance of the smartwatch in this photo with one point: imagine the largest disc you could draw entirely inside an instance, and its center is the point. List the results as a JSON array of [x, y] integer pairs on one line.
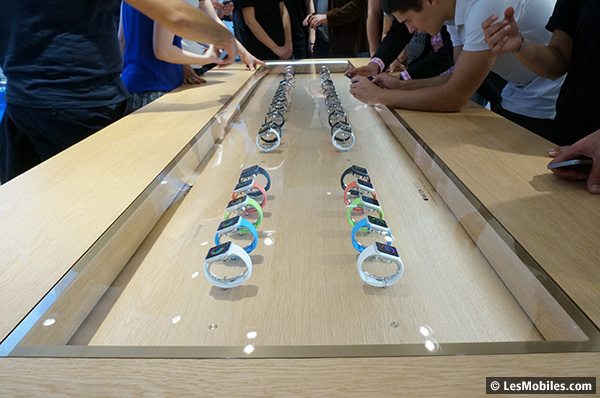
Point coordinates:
[[357, 188], [269, 137], [365, 203], [372, 224], [276, 117], [337, 116], [224, 253], [252, 172], [241, 205], [239, 225], [342, 138], [248, 186], [356, 171], [384, 253]]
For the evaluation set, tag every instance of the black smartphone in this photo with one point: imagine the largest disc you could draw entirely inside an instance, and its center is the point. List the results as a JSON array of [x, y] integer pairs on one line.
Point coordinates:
[[572, 162]]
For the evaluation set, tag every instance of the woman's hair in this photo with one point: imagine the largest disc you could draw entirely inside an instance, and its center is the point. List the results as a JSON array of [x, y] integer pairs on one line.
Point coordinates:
[[391, 6]]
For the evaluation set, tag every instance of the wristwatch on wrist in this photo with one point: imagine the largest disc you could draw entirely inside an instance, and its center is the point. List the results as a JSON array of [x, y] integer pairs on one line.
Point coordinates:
[[248, 186], [241, 205], [355, 171], [239, 225], [365, 203], [224, 253], [380, 252], [253, 172], [371, 224]]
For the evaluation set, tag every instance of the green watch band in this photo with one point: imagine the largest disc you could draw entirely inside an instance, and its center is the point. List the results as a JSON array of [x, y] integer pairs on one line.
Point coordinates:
[[253, 203], [358, 203]]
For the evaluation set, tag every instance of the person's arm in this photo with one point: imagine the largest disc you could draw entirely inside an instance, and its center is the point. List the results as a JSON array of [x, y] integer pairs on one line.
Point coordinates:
[[588, 146], [250, 60], [551, 61], [166, 51], [374, 16], [190, 23], [287, 27], [456, 89], [261, 35], [391, 46], [310, 9]]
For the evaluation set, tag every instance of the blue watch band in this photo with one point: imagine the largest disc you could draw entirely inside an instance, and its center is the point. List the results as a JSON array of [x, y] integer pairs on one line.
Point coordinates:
[[244, 226], [357, 227]]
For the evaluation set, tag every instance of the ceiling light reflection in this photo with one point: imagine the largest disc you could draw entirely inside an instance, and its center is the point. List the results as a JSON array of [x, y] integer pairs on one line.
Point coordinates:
[[252, 335], [249, 349], [49, 322]]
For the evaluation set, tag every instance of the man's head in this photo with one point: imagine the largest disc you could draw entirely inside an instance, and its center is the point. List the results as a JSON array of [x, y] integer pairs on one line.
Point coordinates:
[[425, 16]]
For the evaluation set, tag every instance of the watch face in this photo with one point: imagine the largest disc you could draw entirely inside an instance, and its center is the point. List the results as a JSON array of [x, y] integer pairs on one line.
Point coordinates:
[[380, 222], [243, 184], [364, 184], [390, 250], [228, 223], [237, 201], [217, 250], [249, 172], [371, 201], [361, 171]]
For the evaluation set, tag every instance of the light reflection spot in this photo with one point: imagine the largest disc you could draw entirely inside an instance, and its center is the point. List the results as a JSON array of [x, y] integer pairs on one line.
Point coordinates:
[[213, 326], [203, 243], [195, 274], [268, 241], [175, 319], [249, 349], [49, 322], [252, 335]]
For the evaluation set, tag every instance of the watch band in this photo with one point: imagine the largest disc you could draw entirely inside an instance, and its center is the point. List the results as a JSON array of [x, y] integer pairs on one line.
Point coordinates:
[[254, 204], [264, 173], [342, 143], [361, 225], [233, 281], [357, 203], [273, 143], [247, 227], [353, 184], [349, 171], [375, 280], [261, 191]]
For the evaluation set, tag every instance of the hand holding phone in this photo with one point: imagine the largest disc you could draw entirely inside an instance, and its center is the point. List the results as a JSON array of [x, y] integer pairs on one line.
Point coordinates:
[[572, 162]]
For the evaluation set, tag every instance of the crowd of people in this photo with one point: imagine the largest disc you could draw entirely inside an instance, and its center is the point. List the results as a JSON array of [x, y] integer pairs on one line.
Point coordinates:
[[71, 74]]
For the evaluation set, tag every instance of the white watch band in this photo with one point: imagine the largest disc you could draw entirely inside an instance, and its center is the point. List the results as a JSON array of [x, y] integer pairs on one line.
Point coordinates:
[[235, 251], [375, 280]]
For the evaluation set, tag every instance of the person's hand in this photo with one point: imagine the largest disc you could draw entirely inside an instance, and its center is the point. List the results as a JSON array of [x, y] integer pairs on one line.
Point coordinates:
[[217, 5], [190, 76], [211, 54], [502, 37], [232, 53], [315, 20], [251, 61], [228, 8], [283, 52], [396, 66], [586, 147], [363, 90], [370, 69], [386, 80]]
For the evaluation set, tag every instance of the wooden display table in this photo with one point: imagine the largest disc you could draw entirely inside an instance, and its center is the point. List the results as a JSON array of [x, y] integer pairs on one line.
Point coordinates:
[[130, 213]]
